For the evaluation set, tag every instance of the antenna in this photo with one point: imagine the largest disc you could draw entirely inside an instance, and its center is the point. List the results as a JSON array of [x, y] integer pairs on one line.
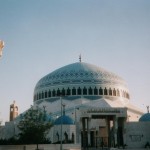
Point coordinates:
[[63, 105], [80, 58], [0, 120], [147, 109]]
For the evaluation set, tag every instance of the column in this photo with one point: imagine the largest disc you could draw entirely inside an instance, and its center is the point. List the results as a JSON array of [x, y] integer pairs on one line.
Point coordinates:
[[124, 131], [115, 122], [84, 133], [88, 131], [108, 130]]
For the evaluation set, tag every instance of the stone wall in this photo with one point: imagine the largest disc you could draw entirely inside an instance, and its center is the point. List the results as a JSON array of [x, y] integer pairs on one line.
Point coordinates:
[[137, 134]]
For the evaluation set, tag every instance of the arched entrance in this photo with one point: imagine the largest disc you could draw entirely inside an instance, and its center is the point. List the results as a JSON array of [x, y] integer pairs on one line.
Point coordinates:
[[103, 127]]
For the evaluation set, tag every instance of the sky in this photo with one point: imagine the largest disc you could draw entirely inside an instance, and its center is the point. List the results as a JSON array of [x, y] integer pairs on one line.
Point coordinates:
[[43, 35]]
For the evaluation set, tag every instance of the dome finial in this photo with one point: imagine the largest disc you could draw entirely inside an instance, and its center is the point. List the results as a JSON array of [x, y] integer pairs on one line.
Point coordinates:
[[80, 58], [63, 105], [147, 109]]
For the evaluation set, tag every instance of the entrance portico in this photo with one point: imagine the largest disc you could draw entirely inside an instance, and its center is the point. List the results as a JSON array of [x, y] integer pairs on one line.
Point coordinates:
[[102, 127]]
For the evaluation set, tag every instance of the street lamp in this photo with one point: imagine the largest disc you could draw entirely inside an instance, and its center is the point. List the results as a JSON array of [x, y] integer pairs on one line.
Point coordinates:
[[61, 125], [14, 128], [61, 94], [75, 118], [75, 121]]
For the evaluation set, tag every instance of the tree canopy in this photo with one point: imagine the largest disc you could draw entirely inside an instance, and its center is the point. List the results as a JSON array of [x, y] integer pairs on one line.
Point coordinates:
[[34, 126]]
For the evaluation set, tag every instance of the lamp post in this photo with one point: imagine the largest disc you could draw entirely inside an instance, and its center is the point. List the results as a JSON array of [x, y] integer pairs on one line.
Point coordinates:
[[14, 128], [61, 125], [61, 94], [75, 118]]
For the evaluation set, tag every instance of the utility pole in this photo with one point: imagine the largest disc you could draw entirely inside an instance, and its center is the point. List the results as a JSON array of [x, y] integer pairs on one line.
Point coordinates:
[[0, 121], [61, 125]]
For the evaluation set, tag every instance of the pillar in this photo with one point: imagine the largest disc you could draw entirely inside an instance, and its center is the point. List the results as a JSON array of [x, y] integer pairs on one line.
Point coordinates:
[[84, 133], [108, 130], [88, 131], [124, 131], [115, 120]]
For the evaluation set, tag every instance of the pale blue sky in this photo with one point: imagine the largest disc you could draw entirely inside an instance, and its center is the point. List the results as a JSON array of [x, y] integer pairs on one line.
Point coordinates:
[[43, 35]]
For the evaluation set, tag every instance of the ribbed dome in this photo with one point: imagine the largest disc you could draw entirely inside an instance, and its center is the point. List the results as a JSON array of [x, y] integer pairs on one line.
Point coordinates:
[[79, 73], [145, 117], [66, 120], [80, 79]]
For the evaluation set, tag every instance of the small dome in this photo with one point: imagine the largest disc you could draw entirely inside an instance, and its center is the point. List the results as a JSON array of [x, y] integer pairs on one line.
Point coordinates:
[[64, 120], [145, 117]]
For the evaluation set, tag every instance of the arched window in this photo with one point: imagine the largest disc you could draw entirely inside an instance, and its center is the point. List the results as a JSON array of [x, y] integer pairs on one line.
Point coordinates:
[[128, 96], [39, 95], [118, 92], [54, 93], [105, 91], [122, 93], [63, 92], [110, 91], [58, 92], [68, 92], [45, 94], [114, 92], [66, 137], [16, 108], [100, 91], [90, 91], [84, 91], [72, 138], [49, 93], [79, 91], [73, 91], [57, 136], [42, 95], [95, 91], [34, 97]]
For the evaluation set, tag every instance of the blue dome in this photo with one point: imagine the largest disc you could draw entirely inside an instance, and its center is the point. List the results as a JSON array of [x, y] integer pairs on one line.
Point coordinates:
[[145, 117], [64, 120], [80, 79], [79, 72]]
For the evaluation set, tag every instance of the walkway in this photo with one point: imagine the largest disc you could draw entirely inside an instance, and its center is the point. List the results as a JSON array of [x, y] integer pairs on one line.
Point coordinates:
[[116, 149]]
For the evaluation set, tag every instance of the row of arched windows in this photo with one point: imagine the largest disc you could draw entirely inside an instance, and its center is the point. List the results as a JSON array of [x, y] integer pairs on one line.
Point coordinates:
[[80, 91]]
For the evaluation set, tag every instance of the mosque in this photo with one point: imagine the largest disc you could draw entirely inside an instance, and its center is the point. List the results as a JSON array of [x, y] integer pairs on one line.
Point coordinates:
[[89, 106]]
